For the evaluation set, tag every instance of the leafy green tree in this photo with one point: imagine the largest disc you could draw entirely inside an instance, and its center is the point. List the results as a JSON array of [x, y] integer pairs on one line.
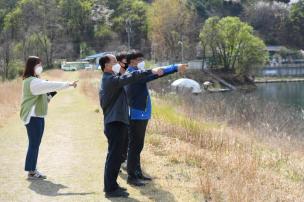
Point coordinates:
[[16, 69], [113, 4], [6, 54], [296, 25], [5, 7], [85, 50], [201, 7], [232, 43], [217, 7], [35, 18], [208, 40], [131, 15], [76, 15], [103, 32]]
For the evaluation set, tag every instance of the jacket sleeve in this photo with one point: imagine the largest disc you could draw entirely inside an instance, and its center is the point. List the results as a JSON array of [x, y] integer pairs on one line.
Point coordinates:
[[167, 70], [149, 78], [131, 77], [170, 69], [146, 79], [39, 86]]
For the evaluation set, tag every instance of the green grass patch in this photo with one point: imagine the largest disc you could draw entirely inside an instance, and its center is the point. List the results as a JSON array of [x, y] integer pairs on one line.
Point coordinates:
[[166, 112]]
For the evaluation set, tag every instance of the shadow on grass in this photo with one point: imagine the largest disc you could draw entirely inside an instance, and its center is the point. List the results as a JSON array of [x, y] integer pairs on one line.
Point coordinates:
[[48, 188], [129, 199], [152, 191]]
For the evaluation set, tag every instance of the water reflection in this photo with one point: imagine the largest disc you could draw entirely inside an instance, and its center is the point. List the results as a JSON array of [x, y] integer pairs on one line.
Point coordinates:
[[291, 93]]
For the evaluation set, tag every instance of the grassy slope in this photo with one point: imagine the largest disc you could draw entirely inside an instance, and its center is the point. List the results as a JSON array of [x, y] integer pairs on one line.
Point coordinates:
[[233, 166]]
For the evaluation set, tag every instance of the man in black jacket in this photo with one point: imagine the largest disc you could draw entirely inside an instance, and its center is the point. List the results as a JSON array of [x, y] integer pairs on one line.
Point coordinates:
[[113, 102]]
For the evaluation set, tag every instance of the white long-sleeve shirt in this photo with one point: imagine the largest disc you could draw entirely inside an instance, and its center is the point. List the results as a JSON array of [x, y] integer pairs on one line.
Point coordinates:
[[39, 87]]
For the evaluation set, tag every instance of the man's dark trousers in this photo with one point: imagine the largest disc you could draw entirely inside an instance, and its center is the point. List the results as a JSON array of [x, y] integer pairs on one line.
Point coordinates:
[[137, 131], [125, 150], [116, 133]]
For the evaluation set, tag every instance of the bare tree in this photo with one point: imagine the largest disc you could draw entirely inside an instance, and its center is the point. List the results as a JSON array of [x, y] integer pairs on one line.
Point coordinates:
[[5, 54], [168, 27]]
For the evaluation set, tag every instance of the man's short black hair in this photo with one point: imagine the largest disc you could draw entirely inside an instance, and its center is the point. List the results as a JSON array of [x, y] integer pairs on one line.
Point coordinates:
[[121, 56], [103, 61], [134, 55]]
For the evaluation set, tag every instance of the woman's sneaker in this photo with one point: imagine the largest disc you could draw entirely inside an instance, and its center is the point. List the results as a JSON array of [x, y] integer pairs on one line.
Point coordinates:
[[36, 175]]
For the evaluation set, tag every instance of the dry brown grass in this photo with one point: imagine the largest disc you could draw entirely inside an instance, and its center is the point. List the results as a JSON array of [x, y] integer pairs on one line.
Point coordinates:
[[235, 166], [10, 95], [11, 91], [89, 83], [53, 74]]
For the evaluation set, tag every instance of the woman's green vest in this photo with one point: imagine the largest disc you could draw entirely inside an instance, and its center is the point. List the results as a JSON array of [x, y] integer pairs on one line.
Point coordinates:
[[29, 100]]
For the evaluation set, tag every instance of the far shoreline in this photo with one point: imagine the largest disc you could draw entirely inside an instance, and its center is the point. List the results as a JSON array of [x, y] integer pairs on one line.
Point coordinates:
[[278, 79]]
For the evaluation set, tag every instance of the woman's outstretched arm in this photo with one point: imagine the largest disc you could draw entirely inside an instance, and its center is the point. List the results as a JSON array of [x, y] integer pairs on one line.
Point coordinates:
[[39, 86]]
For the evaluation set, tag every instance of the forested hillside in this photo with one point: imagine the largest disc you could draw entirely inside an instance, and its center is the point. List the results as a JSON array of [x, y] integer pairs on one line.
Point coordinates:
[[72, 29]]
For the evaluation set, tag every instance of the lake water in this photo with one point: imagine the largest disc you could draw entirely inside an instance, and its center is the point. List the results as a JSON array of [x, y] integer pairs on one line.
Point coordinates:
[[285, 93]]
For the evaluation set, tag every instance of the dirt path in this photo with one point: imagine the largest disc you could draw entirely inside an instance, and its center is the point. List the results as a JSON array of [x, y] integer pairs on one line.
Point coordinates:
[[72, 155]]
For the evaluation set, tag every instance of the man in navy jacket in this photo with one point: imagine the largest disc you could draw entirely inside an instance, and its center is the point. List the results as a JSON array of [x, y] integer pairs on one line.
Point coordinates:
[[140, 112]]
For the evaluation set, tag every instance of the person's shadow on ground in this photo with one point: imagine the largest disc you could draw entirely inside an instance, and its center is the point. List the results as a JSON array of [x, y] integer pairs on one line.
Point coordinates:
[[48, 188], [152, 191]]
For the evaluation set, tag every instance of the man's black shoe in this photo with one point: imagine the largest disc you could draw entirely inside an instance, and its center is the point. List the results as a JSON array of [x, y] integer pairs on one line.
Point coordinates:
[[146, 178], [119, 187], [135, 182], [117, 193], [122, 188]]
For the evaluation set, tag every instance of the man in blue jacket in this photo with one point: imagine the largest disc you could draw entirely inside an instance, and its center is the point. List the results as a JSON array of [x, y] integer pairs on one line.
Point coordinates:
[[113, 101], [140, 112]]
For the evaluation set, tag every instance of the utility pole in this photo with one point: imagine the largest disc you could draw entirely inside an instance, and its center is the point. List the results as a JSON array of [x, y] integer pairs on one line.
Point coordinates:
[[182, 47], [153, 51]]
